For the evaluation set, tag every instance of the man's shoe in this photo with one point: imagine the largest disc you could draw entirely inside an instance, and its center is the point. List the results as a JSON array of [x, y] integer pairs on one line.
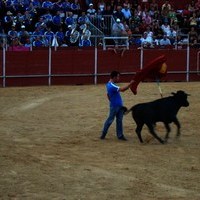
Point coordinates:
[[102, 137], [122, 138]]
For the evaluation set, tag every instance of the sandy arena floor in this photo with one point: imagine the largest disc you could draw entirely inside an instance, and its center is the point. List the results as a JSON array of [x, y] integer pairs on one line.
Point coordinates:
[[50, 147]]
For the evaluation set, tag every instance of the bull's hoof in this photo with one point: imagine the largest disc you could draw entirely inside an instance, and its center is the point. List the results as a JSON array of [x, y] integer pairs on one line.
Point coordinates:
[[178, 135], [162, 141], [166, 141]]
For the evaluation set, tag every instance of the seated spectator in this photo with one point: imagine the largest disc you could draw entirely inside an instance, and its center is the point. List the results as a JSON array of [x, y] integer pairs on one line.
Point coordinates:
[[182, 40], [76, 7], [40, 24], [176, 26], [101, 6], [47, 18], [118, 14], [68, 34], [70, 19], [135, 21], [107, 10], [111, 3], [12, 34], [31, 9], [185, 12], [165, 41], [185, 25], [91, 12], [37, 32], [193, 20], [83, 19], [172, 34], [8, 20], [195, 44], [16, 42], [38, 42], [172, 16], [191, 6], [72, 35], [143, 26], [60, 36], [85, 41], [153, 5], [165, 27], [23, 35], [157, 30], [47, 5], [164, 15], [28, 43], [56, 6], [193, 35], [118, 3], [139, 11], [66, 6], [28, 20], [127, 29], [127, 13], [48, 36], [118, 30], [56, 21], [166, 5], [147, 18], [146, 41], [149, 32], [127, 3], [18, 20], [197, 5], [84, 31], [36, 4]]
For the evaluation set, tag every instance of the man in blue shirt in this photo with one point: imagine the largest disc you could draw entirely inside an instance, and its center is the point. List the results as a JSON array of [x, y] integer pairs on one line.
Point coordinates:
[[116, 103]]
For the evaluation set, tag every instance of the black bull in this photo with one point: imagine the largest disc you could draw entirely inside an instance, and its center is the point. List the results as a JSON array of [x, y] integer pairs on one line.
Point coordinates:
[[161, 110]]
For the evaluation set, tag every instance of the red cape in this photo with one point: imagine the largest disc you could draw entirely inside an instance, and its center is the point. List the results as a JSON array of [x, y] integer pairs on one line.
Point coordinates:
[[155, 69]]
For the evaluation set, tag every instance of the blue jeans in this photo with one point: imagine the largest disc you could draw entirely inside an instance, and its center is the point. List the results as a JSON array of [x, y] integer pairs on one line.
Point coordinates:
[[118, 113]]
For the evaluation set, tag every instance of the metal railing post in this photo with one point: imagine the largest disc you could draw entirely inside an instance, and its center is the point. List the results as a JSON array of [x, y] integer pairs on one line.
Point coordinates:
[[49, 75], [4, 65], [188, 63], [198, 60], [141, 57]]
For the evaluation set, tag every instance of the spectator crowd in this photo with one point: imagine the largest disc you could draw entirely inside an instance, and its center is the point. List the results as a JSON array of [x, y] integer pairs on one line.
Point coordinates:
[[67, 22]]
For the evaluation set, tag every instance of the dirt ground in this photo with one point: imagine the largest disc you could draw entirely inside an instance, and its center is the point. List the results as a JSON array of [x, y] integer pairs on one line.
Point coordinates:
[[50, 147]]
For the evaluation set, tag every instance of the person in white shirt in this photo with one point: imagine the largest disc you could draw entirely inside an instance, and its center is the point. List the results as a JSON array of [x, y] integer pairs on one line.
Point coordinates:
[[172, 34], [165, 27], [146, 41]]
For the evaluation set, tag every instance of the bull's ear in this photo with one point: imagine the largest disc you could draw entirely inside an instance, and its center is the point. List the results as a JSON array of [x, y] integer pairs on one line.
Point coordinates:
[[173, 93]]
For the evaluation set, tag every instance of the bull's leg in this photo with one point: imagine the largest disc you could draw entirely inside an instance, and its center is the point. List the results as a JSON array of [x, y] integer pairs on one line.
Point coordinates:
[[178, 126], [168, 131], [151, 129], [138, 131]]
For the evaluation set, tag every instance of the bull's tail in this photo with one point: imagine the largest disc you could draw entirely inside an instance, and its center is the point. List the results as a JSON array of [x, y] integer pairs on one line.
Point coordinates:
[[126, 111]]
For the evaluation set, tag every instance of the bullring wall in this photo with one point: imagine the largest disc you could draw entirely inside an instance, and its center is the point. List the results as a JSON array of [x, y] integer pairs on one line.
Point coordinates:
[[90, 65]]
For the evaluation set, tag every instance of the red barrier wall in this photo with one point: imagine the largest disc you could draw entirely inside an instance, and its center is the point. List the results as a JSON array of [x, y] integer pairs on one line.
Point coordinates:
[[77, 66], [73, 61]]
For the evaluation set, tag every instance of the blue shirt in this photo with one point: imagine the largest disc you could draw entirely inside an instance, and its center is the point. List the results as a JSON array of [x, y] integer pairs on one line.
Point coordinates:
[[114, 94]]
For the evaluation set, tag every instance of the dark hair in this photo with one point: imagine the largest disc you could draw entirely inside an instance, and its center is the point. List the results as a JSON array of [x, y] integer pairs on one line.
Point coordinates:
[[114, 74]]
